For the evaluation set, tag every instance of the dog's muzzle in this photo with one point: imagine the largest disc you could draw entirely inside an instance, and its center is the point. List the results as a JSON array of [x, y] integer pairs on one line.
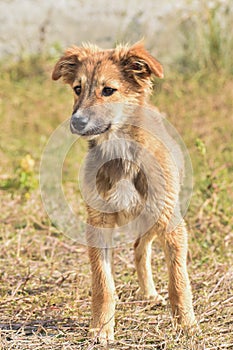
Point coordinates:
[[86, 125], [78, 123]]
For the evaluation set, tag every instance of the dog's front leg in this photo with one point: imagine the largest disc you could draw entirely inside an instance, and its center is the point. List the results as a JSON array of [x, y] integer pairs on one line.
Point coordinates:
[[175, 247], [103, 294], [103, 288]]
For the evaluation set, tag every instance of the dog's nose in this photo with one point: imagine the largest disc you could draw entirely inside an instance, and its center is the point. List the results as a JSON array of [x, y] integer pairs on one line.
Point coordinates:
[[79, 123]]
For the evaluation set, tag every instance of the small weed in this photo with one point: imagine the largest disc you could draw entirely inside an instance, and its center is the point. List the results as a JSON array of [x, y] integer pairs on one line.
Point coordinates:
[[24, 180]]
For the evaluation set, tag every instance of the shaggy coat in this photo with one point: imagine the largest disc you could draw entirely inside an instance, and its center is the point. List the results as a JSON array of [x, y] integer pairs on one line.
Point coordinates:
[[132, 176]]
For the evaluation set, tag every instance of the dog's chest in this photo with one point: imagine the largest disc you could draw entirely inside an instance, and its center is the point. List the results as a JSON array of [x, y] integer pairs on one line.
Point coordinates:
[[119, 181]]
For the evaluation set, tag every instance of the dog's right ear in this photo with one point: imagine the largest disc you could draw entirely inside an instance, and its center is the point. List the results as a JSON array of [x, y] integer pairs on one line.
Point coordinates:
[[67, 66]]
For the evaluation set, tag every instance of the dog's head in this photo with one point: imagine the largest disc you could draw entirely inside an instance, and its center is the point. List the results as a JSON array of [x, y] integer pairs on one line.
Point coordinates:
[[103, 82]]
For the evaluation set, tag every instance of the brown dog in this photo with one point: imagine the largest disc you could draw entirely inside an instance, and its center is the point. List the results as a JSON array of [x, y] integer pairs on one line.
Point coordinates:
[[134, 174]]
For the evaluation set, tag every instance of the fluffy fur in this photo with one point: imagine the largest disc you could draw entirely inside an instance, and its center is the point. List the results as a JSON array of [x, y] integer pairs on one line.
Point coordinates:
[[135, 172]]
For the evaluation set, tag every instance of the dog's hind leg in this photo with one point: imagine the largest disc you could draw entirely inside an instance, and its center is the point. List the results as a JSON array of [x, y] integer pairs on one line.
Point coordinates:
[[142, 252], [103, 288]]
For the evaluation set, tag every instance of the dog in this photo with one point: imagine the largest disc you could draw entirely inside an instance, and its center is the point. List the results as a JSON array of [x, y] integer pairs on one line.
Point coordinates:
[[129, 174]]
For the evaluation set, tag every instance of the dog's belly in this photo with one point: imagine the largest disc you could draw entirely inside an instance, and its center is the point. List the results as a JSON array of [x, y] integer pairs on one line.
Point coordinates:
[[124, 217]]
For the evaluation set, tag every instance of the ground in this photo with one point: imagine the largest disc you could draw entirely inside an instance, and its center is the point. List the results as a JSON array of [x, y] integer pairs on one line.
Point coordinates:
[[45, 276]]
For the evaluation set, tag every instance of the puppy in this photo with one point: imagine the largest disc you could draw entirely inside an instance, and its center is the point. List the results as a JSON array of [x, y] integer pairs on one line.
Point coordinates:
[[131, 178]]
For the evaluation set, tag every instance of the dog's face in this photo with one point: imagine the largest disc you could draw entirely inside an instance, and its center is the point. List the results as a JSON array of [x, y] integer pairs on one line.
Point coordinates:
[[103, 82]]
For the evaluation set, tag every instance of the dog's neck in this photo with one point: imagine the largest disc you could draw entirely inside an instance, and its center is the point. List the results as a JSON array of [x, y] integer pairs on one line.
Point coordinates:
[[118, 143], [118, 176]]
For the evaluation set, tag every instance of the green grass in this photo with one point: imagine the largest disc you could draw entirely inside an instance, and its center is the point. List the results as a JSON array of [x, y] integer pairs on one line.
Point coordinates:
[[207, 37], [45, 277]]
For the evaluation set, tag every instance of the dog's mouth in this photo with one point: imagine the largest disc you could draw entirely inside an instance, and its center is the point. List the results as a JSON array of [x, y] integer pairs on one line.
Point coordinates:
[[97, 130]]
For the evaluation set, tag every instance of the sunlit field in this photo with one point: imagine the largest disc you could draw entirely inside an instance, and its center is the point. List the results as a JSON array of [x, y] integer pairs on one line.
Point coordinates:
[[45, 276]]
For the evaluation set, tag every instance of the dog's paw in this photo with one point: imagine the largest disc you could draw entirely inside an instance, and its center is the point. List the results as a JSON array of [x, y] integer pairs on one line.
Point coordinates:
[[106, 337], [186, 322], [157, 299], [190, 325], [103, 335], [154, 297]]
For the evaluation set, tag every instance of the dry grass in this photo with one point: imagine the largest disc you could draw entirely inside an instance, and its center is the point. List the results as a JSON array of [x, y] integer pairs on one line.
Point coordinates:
[[45, 277]]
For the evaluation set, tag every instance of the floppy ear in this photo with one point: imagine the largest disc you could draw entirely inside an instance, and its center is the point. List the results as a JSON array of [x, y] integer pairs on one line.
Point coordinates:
[[68, 64], [139, 63], [65, 68]]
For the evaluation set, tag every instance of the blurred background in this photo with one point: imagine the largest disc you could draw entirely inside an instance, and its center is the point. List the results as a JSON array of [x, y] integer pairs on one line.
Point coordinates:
[[169, 27], [48, 292]]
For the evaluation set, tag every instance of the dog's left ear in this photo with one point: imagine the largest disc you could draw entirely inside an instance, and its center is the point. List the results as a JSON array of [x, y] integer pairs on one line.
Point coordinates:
[[139, 63]]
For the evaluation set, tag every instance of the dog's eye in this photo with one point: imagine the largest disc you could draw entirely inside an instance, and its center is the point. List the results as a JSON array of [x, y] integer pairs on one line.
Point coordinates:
[[77, 90], [107, 91]]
